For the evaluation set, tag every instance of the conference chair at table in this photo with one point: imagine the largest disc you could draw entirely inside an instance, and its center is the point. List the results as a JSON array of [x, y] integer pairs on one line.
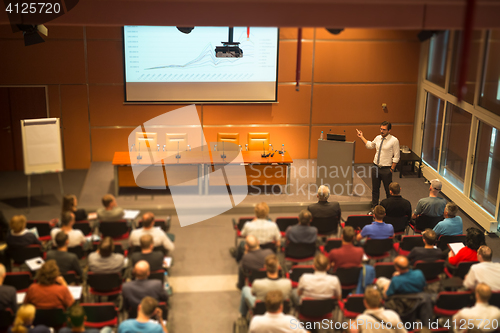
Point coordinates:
[[146, 141], [228, 141], [258, 141], [176, 142]]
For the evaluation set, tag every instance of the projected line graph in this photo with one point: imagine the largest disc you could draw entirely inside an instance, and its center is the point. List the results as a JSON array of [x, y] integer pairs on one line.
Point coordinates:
[[163, 54]]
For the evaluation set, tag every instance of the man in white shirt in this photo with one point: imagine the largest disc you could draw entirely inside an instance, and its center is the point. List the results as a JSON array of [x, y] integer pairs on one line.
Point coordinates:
[[274, 321], [485, 272], [159, 236], [385, 160], [75, 236], [319, 284], [482, 315], [370, 321], [264, 230]]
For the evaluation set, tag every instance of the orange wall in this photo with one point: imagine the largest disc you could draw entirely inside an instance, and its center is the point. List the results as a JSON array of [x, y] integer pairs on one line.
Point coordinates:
[[344, 80]]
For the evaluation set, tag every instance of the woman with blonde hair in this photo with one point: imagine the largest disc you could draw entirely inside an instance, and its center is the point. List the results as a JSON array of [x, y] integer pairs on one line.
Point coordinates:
[[69, 204], [19, 236], [23, 323]]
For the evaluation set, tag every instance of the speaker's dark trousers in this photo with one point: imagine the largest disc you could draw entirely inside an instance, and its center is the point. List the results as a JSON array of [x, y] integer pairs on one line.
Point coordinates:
[[380, 174]]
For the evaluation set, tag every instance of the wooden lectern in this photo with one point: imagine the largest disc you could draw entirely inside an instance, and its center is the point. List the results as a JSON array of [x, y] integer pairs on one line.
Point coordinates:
[[335, 166]]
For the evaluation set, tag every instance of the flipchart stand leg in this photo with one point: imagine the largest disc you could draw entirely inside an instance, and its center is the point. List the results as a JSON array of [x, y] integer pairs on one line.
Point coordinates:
[[29, 192]]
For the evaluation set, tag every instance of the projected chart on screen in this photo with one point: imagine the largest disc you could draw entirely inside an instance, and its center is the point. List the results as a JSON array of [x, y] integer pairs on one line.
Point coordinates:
[[208, 64]]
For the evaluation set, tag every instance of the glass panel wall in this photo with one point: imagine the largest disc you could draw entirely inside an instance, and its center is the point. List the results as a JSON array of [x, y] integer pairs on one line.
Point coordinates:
[[436, 63], [490, 88], [470, 84], [455, 145], [432, 130], [484, 189]]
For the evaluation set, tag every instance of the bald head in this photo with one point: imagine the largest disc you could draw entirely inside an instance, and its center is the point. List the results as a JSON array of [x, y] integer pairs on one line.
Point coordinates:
[[401, 264], [483, 292], [148, 220], [141, 270], [252, 243]]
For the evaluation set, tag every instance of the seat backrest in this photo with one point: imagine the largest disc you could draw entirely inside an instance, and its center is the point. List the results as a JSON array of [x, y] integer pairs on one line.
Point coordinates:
[[19, 280], [409, 242], [354, 303], [83, 226], [348, 276], [431, 269], [260, 307], [495, 299], [423, 222], [463, 268], [100, 314], [399, 223], [332, 243], [326, 225], [385, 269], [50, 317], [443, 240], [270, 246], [70, 277], [358, 221], [258, 141], [300, 250], [454, 300], [43, 227], [255, 275], [285, 222], [78, 250], [145, 141], [242, 221], [317, 307], [113, 229], [297, 271], [377, 247], [104, 282], [157, 275], [6, 318], [232, 138], [21, 254], [174, 141]]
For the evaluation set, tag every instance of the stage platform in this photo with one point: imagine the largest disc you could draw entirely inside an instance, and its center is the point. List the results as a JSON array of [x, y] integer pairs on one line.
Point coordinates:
[[100, 179]]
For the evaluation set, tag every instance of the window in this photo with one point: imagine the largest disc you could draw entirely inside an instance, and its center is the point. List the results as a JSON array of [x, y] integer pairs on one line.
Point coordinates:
[[438, 51], [432, 130], [455, 145], [470, 83], [484, 189], [490, 88]]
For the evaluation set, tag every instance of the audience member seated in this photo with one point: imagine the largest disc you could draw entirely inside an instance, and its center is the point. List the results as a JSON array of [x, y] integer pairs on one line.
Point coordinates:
[[105, 260], [76, 320], [378, 229], [7, 293], [482, 315], [369, 321], [396, 205], [65, 260], [253, 259], [4, 227], [133, 292], [260, 287], [473, 241], [70, 205], [76, 237], [274, 320], [323, 208], [428, 252], [147, 312], [154, 258], [318, 285], [19, 236], [347, 255], [23, 323], [262, 228], [148, 227], [110, 212], [51, 290], [432, 205], [452, 224], [302, 232], [404, 280], [486, 272]]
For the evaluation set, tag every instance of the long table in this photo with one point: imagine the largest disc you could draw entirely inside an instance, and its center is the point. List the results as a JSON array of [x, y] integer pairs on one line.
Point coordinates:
[[157, 170]]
